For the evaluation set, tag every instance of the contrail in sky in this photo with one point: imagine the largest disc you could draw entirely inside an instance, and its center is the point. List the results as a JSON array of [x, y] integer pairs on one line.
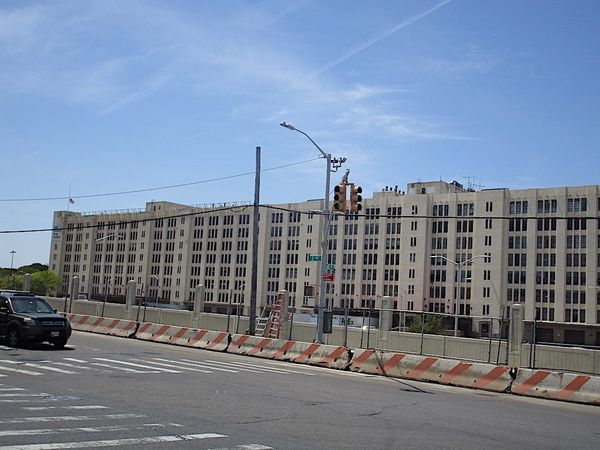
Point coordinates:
[[375, 40]]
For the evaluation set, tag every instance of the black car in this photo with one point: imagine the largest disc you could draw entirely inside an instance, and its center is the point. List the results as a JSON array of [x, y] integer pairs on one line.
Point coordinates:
[[25, 318]]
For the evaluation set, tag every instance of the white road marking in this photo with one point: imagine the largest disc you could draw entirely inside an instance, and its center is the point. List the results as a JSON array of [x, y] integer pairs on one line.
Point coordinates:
[[185, 362], [124, 369], [115, 442], [46, 408], [255, 367], [11, 389], [212, 364], [142, 366], [70, 418], [75, 360], [39, 431], [74, 366], [253, 447], [22, 395], [207, 366], [175, 366], [26, 372], [38, 366]]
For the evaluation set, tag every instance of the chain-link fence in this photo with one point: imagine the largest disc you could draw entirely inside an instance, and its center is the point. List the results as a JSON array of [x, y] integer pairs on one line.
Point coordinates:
[[562, 346], [470, 338]]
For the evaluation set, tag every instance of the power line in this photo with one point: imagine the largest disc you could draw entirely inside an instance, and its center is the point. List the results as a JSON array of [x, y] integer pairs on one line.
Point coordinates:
[[279, 208], [135, 191]]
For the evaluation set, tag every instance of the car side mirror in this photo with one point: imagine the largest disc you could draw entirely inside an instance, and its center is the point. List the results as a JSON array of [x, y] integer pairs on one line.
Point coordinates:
[[54, 310], [3, 309]]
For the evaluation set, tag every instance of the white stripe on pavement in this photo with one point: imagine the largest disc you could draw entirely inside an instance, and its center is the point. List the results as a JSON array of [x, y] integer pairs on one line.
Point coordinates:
[[11, 389], [26, 372], [195, 364], [174, 366], [254, 367], [75, 360], [207, 366], [142, 366], [70, 418], [74, 366], [46, 408], [39, 366], [124, 369], [254, 447], [115, 442], [39, 431]]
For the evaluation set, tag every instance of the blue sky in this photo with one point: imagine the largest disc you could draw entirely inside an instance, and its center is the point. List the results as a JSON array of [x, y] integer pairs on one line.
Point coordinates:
[[108, 96]]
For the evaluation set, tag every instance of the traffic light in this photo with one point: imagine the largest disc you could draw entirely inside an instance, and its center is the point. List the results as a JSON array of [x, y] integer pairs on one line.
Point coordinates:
[[339, 198], [355, 199]]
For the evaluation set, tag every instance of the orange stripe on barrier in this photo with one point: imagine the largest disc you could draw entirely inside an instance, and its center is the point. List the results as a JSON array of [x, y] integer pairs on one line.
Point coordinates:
[[98, 321], [162, 330], [421, 368], [333, 355], [241, 341], [283, 350], [259, 347], [532, 381], [144, 327], [81, 321], [457, 370], [566, 392], [362, 358], [391, 363], [129, 326], [177, 335], [113, 324], [198, 337], [217, 340], [493, 375], [306, 354]]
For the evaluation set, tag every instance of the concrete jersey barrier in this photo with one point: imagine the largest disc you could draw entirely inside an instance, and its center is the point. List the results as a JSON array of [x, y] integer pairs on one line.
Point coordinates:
[[426, 368], [102, 325], [557, 386], [292, 351], [187, 337]]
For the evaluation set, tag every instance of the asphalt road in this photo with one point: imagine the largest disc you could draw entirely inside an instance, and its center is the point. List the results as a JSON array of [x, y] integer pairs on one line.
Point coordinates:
[[103, 391]]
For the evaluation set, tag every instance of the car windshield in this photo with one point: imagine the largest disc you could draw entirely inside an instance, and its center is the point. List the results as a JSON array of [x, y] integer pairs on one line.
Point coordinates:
[[30, 305]]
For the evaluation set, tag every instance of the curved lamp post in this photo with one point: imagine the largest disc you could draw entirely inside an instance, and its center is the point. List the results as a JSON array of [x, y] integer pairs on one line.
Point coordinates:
[[458, 266], [333, 164]]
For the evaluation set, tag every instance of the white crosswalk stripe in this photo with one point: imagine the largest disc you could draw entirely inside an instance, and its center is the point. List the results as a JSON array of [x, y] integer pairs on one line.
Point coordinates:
[[37, 366], [105, 431], [143, 366], [117, 442], [138, 366]]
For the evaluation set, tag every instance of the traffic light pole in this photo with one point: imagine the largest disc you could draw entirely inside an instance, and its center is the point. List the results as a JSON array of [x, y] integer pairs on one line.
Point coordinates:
[[324, 248], [336, 163]]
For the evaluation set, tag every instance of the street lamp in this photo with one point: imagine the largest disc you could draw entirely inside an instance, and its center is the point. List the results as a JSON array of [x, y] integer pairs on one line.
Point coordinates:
[[12, 257], [146, 295], [119, 236], [333, 164], [459, 266]]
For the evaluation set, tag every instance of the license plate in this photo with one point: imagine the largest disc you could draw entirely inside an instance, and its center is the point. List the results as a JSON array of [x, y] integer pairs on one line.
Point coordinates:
[[54, 334]]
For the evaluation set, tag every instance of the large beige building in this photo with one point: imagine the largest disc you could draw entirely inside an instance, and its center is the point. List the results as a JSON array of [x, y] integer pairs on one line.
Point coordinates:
[[538, 247]]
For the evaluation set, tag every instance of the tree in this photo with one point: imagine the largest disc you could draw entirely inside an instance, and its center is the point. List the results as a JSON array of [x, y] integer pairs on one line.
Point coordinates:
[[44, 283], [433, 325]]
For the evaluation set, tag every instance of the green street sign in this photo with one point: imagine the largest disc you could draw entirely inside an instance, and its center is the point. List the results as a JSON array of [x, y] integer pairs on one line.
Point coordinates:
[[314, 257], [330, 267]]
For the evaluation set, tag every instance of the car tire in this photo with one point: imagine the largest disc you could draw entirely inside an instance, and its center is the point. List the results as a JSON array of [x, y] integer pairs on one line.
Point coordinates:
[[13, 337], [59, 344]]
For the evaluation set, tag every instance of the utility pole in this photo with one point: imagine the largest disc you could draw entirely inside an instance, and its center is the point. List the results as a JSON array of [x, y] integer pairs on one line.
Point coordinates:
[[254, 275]]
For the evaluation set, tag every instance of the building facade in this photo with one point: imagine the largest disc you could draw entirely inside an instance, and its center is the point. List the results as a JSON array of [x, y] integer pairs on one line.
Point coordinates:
[[434, 247]]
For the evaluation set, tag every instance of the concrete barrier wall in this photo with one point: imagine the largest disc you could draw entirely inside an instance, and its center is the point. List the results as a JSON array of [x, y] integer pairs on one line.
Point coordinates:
[[551, 357]]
